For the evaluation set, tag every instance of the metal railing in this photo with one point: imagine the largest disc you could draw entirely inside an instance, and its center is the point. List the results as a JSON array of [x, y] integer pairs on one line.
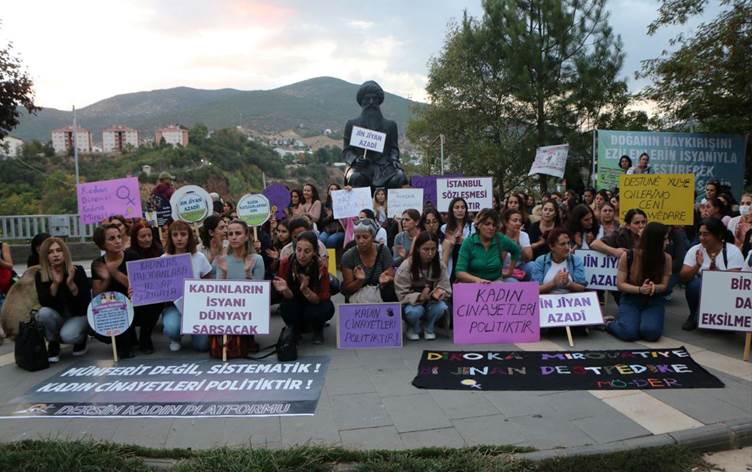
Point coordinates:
[[25, 227]]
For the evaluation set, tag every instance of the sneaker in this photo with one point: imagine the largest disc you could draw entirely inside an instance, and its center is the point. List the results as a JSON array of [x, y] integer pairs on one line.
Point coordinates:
[[81, 348], [175, 346], [53, 352], [690, 324], [318, 336], [429, 336], [412, 335]]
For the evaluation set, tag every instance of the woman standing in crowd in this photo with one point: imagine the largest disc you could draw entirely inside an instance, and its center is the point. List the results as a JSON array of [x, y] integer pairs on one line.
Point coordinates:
[[608, 222], [379, 206], [332, 233], [182, 241], [36, 243], [643, 165], [626, 237], [367, 270], [625, 163], [713, 253], [582, 226], [481, 255], [422, 285], [64, 295], [458, 227], [145, 246], [642, 279], [740, 225], [296, 201], [403, 242], [539, 230], [559, 271], [109, 273], [213, 236], [311, 204], [511, 222], [303, 284]]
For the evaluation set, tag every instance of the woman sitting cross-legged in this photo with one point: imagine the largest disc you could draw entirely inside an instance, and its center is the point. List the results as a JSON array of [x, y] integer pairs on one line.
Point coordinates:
[[422, 284], [482, 254], [64, 295], [303, 283], [559, 271], [642, 278], [367, 272]]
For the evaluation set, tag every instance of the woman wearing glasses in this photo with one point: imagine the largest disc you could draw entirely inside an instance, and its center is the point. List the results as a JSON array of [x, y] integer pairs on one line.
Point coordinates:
[[367, 267]]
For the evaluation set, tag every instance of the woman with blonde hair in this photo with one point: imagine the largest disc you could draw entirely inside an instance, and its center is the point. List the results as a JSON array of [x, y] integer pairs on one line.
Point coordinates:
[[64, 295]]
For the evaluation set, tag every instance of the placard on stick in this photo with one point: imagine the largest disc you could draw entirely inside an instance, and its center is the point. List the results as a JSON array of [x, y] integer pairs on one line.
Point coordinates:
[[369, 326], [110, 314], [498, 312], [367, 139], [226, 307], [348, 203], [665, 198], [159, 279], [570, 309], [191, 203], [102, 199], [550, 160], [726, 303]]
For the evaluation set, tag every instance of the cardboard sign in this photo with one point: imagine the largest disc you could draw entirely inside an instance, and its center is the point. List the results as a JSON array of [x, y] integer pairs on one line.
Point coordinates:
[[726, 301], [477, 192], [279, 198], [367, 139], [332, 261], [348, 203], [159, 279], [600, 270], [254, 209], [550, 160], [369, 326], [498, 312], [100, 200], [401, 199], [191, 203], [665, 198], [570, 309], [110, 314], [232, 307]]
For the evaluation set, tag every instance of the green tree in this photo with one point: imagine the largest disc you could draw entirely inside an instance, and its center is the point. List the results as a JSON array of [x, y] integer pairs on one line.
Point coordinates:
[[527, 74], [198, 133], [16, 90]]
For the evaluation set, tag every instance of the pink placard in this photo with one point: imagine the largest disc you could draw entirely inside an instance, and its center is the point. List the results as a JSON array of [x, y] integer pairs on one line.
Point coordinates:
[[499, 312], [100, 200]]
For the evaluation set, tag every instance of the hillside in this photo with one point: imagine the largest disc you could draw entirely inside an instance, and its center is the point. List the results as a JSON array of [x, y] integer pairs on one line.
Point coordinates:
[[308, 107]]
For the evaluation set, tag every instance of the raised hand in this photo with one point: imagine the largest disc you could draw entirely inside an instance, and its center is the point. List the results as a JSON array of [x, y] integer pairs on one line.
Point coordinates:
[[359, 273], [280, 284], [386, 276]]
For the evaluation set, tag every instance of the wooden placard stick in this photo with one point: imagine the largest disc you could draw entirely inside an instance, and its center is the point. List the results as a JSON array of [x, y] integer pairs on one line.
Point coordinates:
[[747, 345], [569, 336], [224, 348], [114, 349]]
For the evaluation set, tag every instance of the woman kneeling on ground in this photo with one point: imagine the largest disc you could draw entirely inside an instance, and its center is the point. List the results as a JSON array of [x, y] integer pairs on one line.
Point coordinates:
[[642, 278], [64, 295], [303, 283], [422, 284]]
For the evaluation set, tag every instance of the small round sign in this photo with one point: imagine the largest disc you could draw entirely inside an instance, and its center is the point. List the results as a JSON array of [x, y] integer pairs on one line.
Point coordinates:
[[110, 313], [254, 209], [191, 203]]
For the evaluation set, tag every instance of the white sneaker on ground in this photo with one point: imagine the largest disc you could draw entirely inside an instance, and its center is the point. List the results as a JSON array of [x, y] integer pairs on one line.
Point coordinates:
[[175, 346], [429, 336], [412, 335], [53, 359]]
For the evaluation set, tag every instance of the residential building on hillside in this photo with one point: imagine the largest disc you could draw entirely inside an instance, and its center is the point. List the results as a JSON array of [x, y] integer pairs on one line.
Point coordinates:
[[173, 134], [62, 140], [10, 147], [116, 138]]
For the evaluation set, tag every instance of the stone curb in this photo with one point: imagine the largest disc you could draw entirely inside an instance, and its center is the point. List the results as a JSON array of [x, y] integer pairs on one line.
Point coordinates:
[[714, 437]]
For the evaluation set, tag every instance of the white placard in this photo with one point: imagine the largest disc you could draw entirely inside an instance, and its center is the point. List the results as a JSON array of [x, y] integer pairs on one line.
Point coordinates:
[[348, 203], [254, 209], [600, 270], [477, 192], [550, 160], [232, 307], [367, 139], [401, 199], [726, 301], [191, 203], [570, 309]]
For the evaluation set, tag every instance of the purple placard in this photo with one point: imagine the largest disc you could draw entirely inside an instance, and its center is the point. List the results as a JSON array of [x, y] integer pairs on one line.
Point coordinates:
[[428, 184], [159, 279], [279, 196], [369, 326], [498, 312], [100, 200]]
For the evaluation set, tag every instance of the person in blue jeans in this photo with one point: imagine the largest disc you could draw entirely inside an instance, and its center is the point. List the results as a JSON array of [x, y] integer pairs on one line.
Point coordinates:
[[422, 285], [642, 278]]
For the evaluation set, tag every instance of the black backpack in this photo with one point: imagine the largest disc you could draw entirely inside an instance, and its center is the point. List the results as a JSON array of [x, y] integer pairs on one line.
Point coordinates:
[[31, 349]]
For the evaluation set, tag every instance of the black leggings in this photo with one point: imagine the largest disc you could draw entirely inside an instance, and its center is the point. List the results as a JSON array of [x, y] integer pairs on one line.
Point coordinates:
[[298, 313]]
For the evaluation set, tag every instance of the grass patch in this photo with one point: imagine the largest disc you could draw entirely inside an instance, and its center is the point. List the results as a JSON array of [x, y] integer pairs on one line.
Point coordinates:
[[90, 456]]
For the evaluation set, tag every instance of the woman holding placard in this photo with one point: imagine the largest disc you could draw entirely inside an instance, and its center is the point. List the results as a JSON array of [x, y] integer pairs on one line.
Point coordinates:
[[713, 253], [481, 256], [403, 242], [332, 233], [109, 273], [642, 279], [183, 241], [422, 284], [145, 246], [303, 283], [459, 226], [559, 271], [367, 272], [64, 295]]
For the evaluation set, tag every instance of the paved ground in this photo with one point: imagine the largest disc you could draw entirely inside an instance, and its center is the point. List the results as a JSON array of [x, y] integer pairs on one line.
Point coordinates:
[[738, 460], [369, 402]]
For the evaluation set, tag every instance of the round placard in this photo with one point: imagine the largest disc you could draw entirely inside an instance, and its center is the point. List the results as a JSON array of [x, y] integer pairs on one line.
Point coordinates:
[[254, 209], [191, 203], [110, 313]]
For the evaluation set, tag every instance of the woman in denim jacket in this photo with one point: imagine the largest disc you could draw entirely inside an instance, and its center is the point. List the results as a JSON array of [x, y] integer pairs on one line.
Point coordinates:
[[560, 271]]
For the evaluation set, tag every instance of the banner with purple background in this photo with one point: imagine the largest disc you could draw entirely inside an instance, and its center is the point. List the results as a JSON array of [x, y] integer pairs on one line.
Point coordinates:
[[279, 196], [100, 200], [369, 326], [159, 279]]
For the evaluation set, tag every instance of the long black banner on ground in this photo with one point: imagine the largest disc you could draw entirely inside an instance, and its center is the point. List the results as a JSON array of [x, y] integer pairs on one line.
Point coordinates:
[[170, 388], [578, 370]]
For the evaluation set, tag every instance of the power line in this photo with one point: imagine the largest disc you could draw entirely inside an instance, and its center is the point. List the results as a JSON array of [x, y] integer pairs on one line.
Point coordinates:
[[21, 161]]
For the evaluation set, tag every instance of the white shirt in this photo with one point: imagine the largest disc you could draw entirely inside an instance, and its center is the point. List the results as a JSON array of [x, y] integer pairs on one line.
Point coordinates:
[[380, 236], [199, 264], [523, 241], [555, 268], [733, 254]]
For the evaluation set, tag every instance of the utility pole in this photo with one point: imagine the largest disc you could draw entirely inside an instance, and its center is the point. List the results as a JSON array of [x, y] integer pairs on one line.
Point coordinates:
[[75, 161], [441, 137]]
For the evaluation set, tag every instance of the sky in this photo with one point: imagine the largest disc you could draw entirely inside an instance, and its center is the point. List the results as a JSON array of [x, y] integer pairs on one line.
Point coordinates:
[[81, 51]]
